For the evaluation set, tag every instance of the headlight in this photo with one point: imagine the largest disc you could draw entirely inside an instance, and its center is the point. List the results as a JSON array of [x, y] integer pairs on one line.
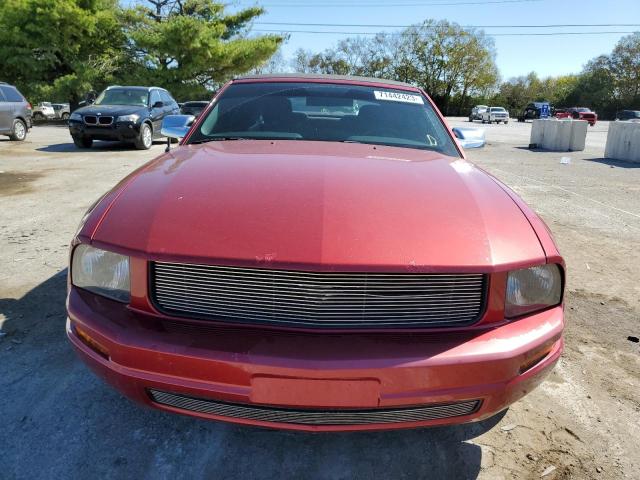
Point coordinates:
[[533, 289], [75, 116], [101, 272], [128, 118]]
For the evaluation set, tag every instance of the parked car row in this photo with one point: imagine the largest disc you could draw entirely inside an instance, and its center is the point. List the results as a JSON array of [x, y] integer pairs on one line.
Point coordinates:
[[535, 110], [119, 113], [489, 114]]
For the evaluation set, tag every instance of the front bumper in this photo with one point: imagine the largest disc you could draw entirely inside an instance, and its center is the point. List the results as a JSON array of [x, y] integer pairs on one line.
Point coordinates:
[[140, 355], [117, 131]]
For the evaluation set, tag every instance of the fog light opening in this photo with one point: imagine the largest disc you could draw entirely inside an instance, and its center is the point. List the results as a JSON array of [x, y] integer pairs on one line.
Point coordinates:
[[536, 356], [91, 343]]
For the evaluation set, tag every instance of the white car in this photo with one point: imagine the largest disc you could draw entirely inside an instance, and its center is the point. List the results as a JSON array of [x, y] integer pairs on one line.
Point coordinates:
[[476, 112], [495, 114], [44, 111]]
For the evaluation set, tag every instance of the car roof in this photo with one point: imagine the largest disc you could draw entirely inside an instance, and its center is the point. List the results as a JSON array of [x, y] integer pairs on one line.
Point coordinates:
[[317, 76]]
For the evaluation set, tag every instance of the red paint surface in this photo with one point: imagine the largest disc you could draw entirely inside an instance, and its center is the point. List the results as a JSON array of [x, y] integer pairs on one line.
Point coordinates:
[[317, 206], [221, 362], [590, 117]]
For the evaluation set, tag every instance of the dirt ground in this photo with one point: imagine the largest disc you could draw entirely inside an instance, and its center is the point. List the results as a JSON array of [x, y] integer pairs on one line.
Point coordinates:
[[59, 421]]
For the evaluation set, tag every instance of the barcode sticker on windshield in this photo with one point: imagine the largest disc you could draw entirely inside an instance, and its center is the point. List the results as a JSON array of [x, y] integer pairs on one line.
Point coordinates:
[[398, 97]]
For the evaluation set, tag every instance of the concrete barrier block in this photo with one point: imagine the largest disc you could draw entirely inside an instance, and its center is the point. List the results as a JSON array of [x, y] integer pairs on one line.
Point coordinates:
[[537, 133], [578, 135], [623, 141], [562, 139], [558, 135]]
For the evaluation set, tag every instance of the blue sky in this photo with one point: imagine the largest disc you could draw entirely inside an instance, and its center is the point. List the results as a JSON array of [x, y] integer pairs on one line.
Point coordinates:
[[552, 55]]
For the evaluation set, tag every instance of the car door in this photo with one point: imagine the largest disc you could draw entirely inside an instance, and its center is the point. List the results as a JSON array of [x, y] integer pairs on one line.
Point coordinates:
[[6, 113], [156, 113]]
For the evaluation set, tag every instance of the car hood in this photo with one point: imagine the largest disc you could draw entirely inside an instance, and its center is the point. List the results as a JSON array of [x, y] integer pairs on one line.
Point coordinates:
[[299, 204], [113, 110]]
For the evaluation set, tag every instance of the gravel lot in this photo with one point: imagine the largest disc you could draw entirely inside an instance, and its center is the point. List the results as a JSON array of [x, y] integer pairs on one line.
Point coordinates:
[[59, 421]]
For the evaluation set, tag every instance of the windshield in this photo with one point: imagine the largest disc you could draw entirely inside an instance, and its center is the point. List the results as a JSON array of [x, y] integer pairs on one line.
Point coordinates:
[[583, 110], [497, 109], [325, 112], [124, 96]]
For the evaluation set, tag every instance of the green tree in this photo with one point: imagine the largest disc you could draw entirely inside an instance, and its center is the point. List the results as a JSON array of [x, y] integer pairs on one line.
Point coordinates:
[[516, 92], [59, 49], [611, 82], [192, 46], [624, 65], [442, 57]]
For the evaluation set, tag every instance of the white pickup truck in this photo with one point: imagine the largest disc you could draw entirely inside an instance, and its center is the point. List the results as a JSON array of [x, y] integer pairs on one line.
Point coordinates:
[[495, 114]]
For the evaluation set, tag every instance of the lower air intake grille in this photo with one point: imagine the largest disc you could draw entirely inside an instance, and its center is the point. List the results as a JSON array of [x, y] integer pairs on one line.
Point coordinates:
[[315, 417], [317, 299]]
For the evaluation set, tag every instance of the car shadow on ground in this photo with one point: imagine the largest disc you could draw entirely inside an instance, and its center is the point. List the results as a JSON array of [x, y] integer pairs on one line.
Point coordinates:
[[53, 404], [535, 150], [614, 163], [97, 145]]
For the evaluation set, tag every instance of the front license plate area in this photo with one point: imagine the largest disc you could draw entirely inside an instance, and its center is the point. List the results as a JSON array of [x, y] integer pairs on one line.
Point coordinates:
[[306, 392]]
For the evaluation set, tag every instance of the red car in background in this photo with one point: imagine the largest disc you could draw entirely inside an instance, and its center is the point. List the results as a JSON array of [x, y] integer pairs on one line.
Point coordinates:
[[577, 113], [317, 254]]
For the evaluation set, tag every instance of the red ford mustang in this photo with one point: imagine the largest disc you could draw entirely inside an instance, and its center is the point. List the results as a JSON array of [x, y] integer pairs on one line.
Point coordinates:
[[317, 254]]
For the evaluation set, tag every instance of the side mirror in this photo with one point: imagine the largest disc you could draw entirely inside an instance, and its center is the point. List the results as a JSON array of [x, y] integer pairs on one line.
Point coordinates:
[[158, 104], [176, 126], [470, 137]]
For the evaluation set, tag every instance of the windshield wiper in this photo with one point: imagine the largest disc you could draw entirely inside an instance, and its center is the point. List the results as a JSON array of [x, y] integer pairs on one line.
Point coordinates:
[[216, 139]]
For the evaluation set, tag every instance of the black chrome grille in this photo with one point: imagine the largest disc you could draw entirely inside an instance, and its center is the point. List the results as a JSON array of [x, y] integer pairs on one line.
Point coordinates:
[[315, 417], [317, 299], [95, 120]]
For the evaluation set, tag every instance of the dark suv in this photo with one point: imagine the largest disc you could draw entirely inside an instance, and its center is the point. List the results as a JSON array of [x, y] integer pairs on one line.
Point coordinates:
[[124, 114], [535, 110], [628, 115], [15, 113]]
